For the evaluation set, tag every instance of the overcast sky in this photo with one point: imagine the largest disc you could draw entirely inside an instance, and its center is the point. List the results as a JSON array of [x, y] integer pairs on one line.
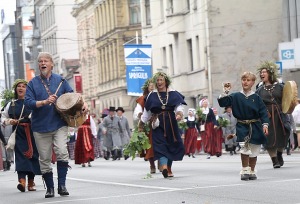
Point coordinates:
[[9, 7]]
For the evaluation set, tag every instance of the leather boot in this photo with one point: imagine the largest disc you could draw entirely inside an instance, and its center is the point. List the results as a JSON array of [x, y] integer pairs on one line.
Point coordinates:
[[245, 160], [21, 185], [170, 174], [48, 178], [49, 193], [8, 165], [4, 166], [62, 169], [275, 162], [107, 155], [115, 154], [31, 185], [280, 158], [119, 154], [164, 171], [252, 164]]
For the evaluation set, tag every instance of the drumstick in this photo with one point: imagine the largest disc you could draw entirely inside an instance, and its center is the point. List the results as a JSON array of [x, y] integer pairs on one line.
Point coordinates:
[[62, 80]]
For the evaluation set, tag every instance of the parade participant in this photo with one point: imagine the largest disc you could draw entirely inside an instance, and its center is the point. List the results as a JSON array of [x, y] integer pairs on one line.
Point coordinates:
[[84, 148], [252, 122], [138, 111], [2, 143], [230, 143], [71, 143], [123, 128], [191, 134], [218, 136], [160, 107], [210, 124], [100, 136], [7, 156], [26, 155], [47, 125], [112, 139], [296, 117], [270, 90], [96, 142]]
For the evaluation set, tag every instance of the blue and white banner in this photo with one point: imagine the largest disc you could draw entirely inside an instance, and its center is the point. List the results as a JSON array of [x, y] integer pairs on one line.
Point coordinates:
[[138, 67]]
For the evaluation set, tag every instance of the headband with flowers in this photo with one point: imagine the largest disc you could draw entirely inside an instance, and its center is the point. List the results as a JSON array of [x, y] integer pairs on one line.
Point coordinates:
[[271, 68], [17, 81], [146, 84], [167, 78]]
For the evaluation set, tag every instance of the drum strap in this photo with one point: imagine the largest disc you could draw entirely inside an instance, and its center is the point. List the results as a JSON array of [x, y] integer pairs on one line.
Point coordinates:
[[47, 88]]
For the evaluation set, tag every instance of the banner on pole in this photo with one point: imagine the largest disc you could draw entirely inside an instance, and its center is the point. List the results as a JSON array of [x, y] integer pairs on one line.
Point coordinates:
[[78, 83], [138, 67]]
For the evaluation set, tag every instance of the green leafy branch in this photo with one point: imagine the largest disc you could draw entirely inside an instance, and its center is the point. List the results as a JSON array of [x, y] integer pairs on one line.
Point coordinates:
[[223, 122], [7, 95], [138, 143], [200, 115], [182, 125]]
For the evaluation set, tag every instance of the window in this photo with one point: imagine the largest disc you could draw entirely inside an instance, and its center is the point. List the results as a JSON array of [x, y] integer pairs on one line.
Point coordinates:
[[171, 59], [147, 11], [162, 12], [170, 8], [190, 54], [195, 5], [134, 12], [198, 51], [188, 4], [164, 58]]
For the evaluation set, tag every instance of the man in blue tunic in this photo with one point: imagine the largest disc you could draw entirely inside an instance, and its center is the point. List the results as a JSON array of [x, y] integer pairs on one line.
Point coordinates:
[[252, 122], [49, 129]]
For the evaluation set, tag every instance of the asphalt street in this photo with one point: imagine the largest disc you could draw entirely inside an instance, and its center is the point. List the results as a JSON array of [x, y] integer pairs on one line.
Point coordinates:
[[197, 180]]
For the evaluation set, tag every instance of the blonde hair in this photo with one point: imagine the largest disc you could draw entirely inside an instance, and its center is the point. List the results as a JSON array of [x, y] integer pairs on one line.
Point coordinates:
[[249, 75]]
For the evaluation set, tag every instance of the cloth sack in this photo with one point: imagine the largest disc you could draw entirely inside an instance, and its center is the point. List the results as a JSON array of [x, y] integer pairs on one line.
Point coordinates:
[[11, 141], [202, 128]]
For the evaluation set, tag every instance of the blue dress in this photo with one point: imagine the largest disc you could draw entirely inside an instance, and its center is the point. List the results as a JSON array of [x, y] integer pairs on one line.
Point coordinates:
[[166, 139], [247, 108], [24, 163]]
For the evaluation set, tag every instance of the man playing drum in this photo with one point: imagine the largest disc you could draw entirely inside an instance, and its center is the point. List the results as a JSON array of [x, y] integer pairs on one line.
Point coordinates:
[[49, 129]]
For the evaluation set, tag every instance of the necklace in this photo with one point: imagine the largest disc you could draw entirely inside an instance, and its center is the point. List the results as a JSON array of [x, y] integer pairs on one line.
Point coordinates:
[[161, 100], [268, 88]]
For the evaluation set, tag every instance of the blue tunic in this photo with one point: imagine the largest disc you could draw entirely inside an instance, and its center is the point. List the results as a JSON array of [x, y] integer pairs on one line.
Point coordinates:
[[247, 108], [166, 139], [21, 146]]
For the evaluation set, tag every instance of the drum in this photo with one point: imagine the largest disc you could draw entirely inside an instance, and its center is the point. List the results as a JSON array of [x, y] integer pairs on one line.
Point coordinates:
[[69, 105], [289, 97]]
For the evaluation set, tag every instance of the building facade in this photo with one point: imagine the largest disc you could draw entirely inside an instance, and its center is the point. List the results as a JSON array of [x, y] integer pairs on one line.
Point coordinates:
[[203, 43], [117, 22], [85, 20], [57, 31]]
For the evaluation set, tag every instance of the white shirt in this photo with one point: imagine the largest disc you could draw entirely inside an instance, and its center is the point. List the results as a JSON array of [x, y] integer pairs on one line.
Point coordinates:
[[296, 114]]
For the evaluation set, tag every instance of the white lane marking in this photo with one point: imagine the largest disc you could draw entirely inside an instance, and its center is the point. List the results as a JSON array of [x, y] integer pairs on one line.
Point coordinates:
[[122, 184], [107, 197], [155, 192]]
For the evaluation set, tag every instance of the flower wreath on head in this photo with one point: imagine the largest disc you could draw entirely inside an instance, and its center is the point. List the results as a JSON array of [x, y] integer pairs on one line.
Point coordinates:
[[18, 81], [146, 84], [167, 78], [271, 67]]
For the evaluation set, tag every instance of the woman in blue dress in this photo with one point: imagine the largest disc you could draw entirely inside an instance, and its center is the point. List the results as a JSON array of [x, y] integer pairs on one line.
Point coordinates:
[[160, 108], [26, 154]]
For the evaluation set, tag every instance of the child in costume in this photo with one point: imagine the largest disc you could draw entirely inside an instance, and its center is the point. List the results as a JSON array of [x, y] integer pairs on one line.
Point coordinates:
[[252, 122]]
